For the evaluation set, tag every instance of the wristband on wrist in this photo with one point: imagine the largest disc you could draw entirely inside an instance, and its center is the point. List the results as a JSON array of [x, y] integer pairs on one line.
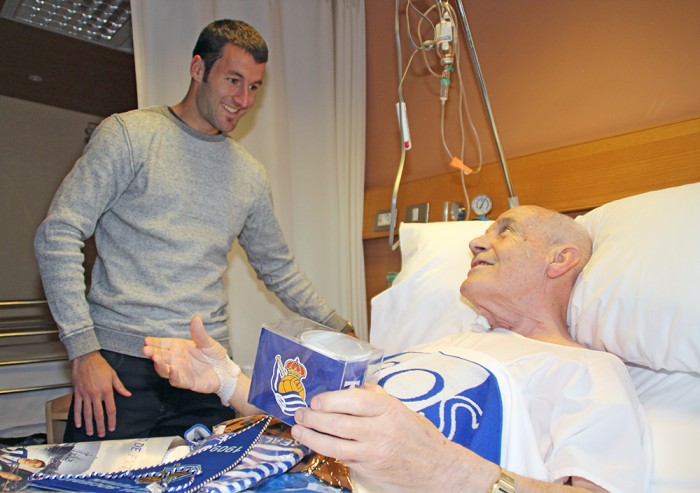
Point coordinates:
[[228, 373]]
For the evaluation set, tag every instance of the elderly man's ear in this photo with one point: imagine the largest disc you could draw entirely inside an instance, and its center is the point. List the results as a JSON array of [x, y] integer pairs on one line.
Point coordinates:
[[563, 258]]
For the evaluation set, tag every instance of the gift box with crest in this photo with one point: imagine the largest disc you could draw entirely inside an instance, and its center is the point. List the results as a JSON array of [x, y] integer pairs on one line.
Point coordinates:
[[298, 359]]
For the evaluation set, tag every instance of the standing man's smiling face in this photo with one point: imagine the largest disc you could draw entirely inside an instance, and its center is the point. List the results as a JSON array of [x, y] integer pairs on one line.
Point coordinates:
[[227, 91]]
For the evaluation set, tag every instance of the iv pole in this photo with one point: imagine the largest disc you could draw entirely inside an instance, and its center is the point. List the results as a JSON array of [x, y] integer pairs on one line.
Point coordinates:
[[512, 198]]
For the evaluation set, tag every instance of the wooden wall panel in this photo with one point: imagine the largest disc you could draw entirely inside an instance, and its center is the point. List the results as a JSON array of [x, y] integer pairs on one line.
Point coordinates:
[[572, 178]]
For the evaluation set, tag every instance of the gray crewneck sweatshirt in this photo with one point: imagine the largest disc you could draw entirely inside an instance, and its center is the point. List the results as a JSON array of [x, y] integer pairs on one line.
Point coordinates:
[[165, 204]]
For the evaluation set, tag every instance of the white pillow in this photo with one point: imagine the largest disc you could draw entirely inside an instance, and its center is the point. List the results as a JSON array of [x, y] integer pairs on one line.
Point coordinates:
[[424, 302], [639, 295]]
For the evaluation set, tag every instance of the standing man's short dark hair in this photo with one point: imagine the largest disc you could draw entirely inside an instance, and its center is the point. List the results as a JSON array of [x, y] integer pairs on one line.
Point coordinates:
[[219, 33]]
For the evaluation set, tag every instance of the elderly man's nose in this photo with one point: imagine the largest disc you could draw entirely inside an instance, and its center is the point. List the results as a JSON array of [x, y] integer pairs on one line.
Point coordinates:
[[478, 244]]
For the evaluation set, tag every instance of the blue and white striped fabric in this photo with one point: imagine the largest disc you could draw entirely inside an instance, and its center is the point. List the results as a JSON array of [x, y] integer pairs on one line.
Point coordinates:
[[272, 455], [461, 397]]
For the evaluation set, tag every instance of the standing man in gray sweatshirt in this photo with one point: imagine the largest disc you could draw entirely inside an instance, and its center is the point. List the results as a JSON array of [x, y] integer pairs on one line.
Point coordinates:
[[165, 191]]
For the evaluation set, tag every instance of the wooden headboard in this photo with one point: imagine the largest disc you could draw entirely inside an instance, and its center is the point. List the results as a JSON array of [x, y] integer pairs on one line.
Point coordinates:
[[573, 178]]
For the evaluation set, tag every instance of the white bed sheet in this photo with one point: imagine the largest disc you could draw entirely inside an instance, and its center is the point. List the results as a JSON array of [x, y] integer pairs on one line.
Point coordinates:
[[671, 401]]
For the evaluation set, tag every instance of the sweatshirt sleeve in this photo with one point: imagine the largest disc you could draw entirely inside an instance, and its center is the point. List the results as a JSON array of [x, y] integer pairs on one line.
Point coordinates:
[[95, 182], [263, 241]]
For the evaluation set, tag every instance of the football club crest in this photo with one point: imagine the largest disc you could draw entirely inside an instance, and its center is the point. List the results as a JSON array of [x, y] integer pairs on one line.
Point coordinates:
[[287, 385]]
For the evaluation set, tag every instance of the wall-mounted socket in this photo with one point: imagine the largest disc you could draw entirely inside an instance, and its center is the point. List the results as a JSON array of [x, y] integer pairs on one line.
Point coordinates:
[[383, 220], [452, 211], [417, 213]]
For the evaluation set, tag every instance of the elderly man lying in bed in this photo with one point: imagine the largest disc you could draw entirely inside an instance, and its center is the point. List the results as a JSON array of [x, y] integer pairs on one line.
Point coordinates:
[[585, 429]]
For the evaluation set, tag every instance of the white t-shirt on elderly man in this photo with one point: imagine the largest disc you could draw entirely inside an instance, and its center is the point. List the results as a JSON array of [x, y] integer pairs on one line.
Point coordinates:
[[575, 400]]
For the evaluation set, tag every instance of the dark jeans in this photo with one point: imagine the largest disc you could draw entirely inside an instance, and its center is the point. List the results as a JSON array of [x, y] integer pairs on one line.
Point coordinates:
[[155, 409]]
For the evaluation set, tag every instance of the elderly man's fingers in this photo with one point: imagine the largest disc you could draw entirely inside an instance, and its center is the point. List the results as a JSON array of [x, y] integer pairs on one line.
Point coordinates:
[[167, 343], [204, 342], [364, 426], [357, 402], [324, 444], [161, 363], [199, 333]]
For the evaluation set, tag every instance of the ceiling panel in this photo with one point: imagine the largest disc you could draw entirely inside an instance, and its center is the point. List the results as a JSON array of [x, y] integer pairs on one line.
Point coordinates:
[[58, 70], [105, 22]]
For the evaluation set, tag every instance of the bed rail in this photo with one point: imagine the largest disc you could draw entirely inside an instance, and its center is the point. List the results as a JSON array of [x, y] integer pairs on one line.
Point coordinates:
[[26, 325], [16, 303], [22, 390], [21, 318]]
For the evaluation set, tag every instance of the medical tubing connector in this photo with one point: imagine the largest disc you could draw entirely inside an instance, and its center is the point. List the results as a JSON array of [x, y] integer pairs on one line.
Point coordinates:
[[445, 83], [228, 373]]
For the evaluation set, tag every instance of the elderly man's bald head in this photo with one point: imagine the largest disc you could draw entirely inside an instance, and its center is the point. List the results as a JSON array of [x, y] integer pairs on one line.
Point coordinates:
[[560, 229], [525, 266]]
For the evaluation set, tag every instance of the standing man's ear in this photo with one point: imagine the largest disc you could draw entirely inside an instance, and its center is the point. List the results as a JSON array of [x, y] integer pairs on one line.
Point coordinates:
[[562, 259], [197, 69]]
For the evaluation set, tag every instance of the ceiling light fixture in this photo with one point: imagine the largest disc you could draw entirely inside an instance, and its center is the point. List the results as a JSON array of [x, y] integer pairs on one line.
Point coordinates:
[[106, 22]]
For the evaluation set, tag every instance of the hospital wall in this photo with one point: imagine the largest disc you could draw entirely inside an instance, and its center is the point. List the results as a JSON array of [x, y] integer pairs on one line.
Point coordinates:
[[591, 101], [39, 145]]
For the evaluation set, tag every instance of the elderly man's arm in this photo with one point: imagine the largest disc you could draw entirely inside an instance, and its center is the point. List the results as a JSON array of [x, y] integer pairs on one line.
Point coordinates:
[[388, 445]]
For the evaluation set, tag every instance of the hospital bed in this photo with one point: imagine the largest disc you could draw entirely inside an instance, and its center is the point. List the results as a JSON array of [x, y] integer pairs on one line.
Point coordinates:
[[638, 298]]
